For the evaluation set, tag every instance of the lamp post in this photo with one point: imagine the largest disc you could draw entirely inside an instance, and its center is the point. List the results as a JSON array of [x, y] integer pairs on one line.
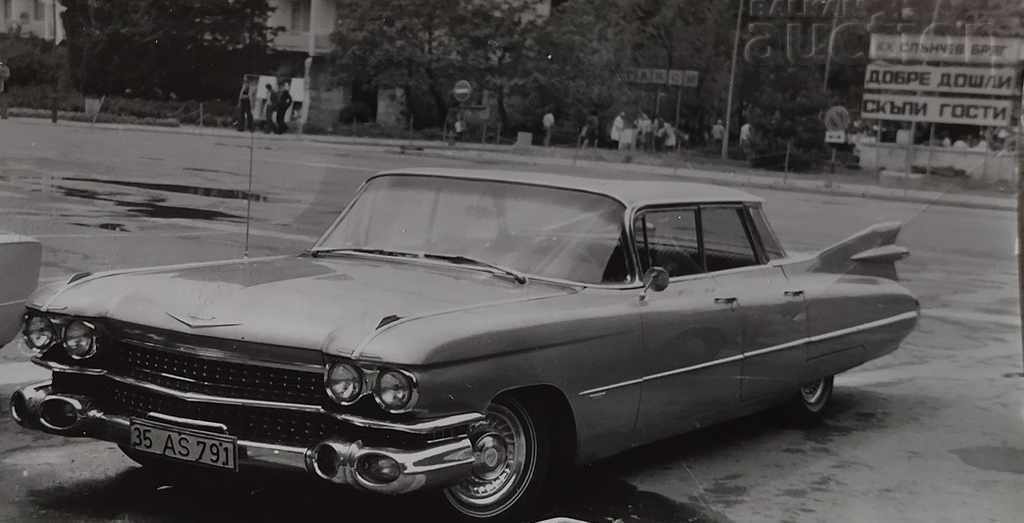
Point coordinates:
[[732, 81], [56, 71]]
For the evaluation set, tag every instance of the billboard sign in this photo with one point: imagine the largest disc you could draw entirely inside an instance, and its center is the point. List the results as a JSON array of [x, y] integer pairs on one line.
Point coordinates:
[[990, 81], [959, 111], [676, 77], [968, 49]]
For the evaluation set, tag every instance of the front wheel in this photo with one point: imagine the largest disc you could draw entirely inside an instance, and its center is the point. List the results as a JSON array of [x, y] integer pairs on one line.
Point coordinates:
[[513, 449], [812, 399]]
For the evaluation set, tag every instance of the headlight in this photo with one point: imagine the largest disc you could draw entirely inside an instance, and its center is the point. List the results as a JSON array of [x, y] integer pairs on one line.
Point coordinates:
[[395, 390], [344, 383], [39, 333], [80, 339]]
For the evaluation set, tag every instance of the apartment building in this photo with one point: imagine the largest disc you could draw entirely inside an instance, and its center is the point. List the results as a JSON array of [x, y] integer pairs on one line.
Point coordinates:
[[32, 17]]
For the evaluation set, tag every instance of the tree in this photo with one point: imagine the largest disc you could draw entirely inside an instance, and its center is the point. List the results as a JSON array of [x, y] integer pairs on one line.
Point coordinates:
[[413, 44], [501, 48], [194, 48]]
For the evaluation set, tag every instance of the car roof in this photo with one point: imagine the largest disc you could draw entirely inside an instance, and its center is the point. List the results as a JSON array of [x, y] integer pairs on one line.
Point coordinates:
[[633, 192]]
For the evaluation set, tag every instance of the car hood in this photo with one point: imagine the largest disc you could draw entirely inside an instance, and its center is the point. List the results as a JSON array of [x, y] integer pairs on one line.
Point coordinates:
[[311, 303]]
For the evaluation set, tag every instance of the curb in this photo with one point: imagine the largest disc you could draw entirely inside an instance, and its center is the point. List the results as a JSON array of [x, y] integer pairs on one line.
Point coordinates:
[[508, 153]]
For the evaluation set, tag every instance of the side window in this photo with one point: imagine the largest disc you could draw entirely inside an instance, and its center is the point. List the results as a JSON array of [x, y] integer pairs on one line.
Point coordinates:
[[668, 239], [769, 241], [726, 244]]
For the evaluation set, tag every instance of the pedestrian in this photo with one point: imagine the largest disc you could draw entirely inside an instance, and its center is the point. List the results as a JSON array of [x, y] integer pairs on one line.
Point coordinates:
[[246, 100], [644, 131], [616, 131], [745, 136], [5, 74], [460, 127], [588, 134], [284, 102], [548, 121], [669, 136], [268, 122], [718, 133]]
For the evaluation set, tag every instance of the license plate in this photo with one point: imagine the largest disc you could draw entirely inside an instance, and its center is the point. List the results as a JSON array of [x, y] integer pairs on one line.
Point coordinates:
[[203, 448]]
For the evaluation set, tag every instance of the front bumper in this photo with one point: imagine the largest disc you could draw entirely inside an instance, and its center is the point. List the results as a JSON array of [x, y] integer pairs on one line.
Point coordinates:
[[434, 465]]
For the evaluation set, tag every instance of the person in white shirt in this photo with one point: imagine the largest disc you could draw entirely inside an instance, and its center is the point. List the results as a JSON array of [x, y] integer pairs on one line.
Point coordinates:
[[668, 133], [960, 144], [548, 121], [718, 132], [616, 132]]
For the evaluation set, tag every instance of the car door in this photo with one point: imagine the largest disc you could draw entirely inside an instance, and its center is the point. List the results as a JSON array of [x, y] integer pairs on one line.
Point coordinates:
[[771, 312], [691, 349]]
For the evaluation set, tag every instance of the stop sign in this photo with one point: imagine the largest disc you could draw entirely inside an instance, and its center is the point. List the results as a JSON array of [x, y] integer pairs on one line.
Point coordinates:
[[462, 90]]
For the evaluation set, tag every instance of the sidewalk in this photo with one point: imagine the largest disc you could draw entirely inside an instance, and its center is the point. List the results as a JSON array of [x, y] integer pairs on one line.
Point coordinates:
[[703, 170]]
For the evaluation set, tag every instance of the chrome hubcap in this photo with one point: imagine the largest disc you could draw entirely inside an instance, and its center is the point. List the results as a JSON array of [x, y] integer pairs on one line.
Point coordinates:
[[812, 391], [504, 464]]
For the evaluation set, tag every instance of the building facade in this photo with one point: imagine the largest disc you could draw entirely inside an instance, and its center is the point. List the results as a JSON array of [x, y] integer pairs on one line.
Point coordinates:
[[32, 17]]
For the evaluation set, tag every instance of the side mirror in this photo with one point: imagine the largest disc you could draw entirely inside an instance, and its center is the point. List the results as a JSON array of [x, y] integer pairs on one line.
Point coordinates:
[[655, 279]]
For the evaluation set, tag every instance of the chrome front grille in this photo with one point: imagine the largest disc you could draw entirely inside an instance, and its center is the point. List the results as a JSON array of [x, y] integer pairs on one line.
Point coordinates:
[[184, 372], [252, 423]]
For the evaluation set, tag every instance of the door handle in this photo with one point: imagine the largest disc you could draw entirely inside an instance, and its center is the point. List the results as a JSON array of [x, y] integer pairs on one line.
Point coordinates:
[[794, 294], [727, 301]]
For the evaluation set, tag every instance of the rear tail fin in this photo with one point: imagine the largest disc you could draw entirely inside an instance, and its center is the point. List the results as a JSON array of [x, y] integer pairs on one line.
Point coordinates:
[[869, 252]]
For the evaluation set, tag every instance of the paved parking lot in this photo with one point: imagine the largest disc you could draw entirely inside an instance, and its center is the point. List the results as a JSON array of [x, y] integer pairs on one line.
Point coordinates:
[[933, 432]]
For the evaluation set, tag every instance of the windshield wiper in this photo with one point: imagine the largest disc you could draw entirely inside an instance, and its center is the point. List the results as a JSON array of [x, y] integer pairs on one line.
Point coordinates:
[[459, 259], [381, 252], [451, 258]]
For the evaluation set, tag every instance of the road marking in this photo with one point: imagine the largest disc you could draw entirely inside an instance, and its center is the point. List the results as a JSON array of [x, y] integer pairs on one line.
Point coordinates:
[[21, 372], [324, 165]]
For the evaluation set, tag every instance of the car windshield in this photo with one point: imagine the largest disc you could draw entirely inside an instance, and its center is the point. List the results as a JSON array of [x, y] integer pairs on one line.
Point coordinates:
[[542, 231]]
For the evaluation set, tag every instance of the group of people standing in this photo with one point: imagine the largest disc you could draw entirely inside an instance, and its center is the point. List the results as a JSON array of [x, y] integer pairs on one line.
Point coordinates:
[[277, 102], [643, 133]]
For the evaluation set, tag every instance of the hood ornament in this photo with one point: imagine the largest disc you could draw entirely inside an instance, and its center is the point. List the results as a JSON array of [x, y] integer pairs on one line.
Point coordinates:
[[197, 320]]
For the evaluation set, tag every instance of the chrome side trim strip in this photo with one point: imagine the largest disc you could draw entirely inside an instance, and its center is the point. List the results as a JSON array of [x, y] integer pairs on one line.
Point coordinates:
[[865, 326], [414, 427], [783, 346], [666, 374], [613, 386]]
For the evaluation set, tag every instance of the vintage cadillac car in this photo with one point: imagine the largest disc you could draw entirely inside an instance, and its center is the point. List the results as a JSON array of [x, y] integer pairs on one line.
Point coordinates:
[[467, 332]]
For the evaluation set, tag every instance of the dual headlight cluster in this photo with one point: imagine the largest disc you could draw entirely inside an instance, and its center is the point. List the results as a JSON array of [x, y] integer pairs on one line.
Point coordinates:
[[77, 337], [393, 389]]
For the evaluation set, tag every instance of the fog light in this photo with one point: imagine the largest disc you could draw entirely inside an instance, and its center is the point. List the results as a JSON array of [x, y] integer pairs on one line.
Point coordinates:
[[326, 461], [378, 468], [58, 414]]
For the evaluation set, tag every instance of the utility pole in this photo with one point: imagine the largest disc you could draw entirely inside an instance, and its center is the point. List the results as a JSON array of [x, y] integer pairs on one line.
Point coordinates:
[[56, 71], [732, 81]]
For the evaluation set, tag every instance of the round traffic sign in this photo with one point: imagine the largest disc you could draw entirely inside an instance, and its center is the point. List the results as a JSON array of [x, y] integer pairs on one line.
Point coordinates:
[[462, 90], [837, 118]]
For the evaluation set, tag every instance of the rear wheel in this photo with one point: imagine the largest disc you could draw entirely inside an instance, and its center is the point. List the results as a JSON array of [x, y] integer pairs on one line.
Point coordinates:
[[513, 448]]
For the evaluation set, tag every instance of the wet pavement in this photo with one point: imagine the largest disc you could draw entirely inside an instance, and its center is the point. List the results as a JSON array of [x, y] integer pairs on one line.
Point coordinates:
[[933, 432]]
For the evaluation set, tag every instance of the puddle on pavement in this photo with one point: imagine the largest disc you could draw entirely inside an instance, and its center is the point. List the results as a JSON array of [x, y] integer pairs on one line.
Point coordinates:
[[149, 209], [214, 171], [117, 227], [212, 192], [997, 459]]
